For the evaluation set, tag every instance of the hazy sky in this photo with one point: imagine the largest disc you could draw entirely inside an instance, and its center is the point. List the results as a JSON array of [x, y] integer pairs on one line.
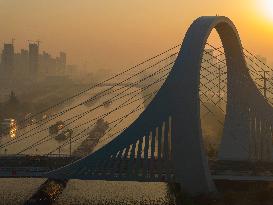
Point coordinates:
[[116, 33]]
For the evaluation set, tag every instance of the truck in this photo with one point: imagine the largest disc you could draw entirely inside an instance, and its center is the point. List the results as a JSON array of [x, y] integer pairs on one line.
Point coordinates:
[[55, 128], [64, 135]]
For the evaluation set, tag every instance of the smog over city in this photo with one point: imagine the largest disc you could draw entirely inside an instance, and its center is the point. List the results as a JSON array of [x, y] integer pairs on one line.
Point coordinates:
[[136, 102]]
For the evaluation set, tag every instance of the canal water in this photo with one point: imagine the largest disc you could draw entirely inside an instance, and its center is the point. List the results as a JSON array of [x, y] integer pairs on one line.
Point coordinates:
[[77, 192]]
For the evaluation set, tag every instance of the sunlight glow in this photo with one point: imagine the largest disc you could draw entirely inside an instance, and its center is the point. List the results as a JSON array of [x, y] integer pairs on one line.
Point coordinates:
[[268, 8]]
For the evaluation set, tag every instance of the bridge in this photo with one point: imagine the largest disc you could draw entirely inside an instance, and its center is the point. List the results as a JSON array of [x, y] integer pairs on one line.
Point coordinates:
[[35, 167], [165, 143], [134, 85]]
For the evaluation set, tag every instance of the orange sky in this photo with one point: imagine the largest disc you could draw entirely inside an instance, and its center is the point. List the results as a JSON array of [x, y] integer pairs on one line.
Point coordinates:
[[114, 34]]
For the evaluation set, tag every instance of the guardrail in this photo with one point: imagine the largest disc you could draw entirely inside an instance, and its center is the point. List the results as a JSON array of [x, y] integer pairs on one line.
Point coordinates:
[[42, 156], [23, 169]]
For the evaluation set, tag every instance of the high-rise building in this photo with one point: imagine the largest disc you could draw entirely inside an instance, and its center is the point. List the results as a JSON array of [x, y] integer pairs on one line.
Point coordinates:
[[30, 62], [45, 64], [7, 58], [62, 58], [33, 58], [62, 61], [21, 62]]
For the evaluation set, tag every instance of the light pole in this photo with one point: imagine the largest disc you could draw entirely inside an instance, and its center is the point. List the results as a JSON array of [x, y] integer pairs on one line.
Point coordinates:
[[265, 79], [70, 146]]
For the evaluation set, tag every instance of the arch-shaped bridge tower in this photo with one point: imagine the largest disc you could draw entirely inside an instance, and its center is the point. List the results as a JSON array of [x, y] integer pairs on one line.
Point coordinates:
[[165, 142]]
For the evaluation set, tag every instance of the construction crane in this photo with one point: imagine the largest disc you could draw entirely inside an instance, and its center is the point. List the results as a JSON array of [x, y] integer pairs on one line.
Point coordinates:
[[37, 42]]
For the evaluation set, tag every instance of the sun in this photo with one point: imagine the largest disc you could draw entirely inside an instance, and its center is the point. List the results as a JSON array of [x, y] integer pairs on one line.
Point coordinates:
[[268, 8]]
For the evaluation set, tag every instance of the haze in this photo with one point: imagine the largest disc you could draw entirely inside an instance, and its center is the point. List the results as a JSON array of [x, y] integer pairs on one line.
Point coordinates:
[[115, 34]]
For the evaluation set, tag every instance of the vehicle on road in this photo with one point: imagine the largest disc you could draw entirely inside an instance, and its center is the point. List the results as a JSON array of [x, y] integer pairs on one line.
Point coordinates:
[[107, 103], [64, 135], [54, 129]]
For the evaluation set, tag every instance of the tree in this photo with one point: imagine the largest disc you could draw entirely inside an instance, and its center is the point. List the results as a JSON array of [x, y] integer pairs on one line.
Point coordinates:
[[12, 98]]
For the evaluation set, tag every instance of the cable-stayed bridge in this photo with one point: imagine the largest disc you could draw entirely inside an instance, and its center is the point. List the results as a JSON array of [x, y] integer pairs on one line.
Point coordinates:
[[184, 89]]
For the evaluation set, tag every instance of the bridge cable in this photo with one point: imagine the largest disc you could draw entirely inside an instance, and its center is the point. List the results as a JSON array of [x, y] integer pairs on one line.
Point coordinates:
[[79, 134], [129, 93], [101, 83], [249, 70], [88, 100]]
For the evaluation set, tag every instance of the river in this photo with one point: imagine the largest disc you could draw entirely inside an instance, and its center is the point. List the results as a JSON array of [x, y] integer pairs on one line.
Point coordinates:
[[17, 191]]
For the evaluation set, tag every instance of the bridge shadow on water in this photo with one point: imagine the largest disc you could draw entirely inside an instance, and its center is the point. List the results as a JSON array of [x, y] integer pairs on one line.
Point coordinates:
[[229, 193]]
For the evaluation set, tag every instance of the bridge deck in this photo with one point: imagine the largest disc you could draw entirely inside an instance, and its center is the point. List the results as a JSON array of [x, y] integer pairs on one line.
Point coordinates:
[[36, 167]]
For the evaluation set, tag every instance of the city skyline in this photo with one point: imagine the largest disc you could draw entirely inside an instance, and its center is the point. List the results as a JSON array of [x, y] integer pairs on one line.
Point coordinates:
[[125, 32], [30, 62]]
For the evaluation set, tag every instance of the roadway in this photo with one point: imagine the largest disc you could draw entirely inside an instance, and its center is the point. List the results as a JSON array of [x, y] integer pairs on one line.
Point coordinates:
[[220, 170]]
